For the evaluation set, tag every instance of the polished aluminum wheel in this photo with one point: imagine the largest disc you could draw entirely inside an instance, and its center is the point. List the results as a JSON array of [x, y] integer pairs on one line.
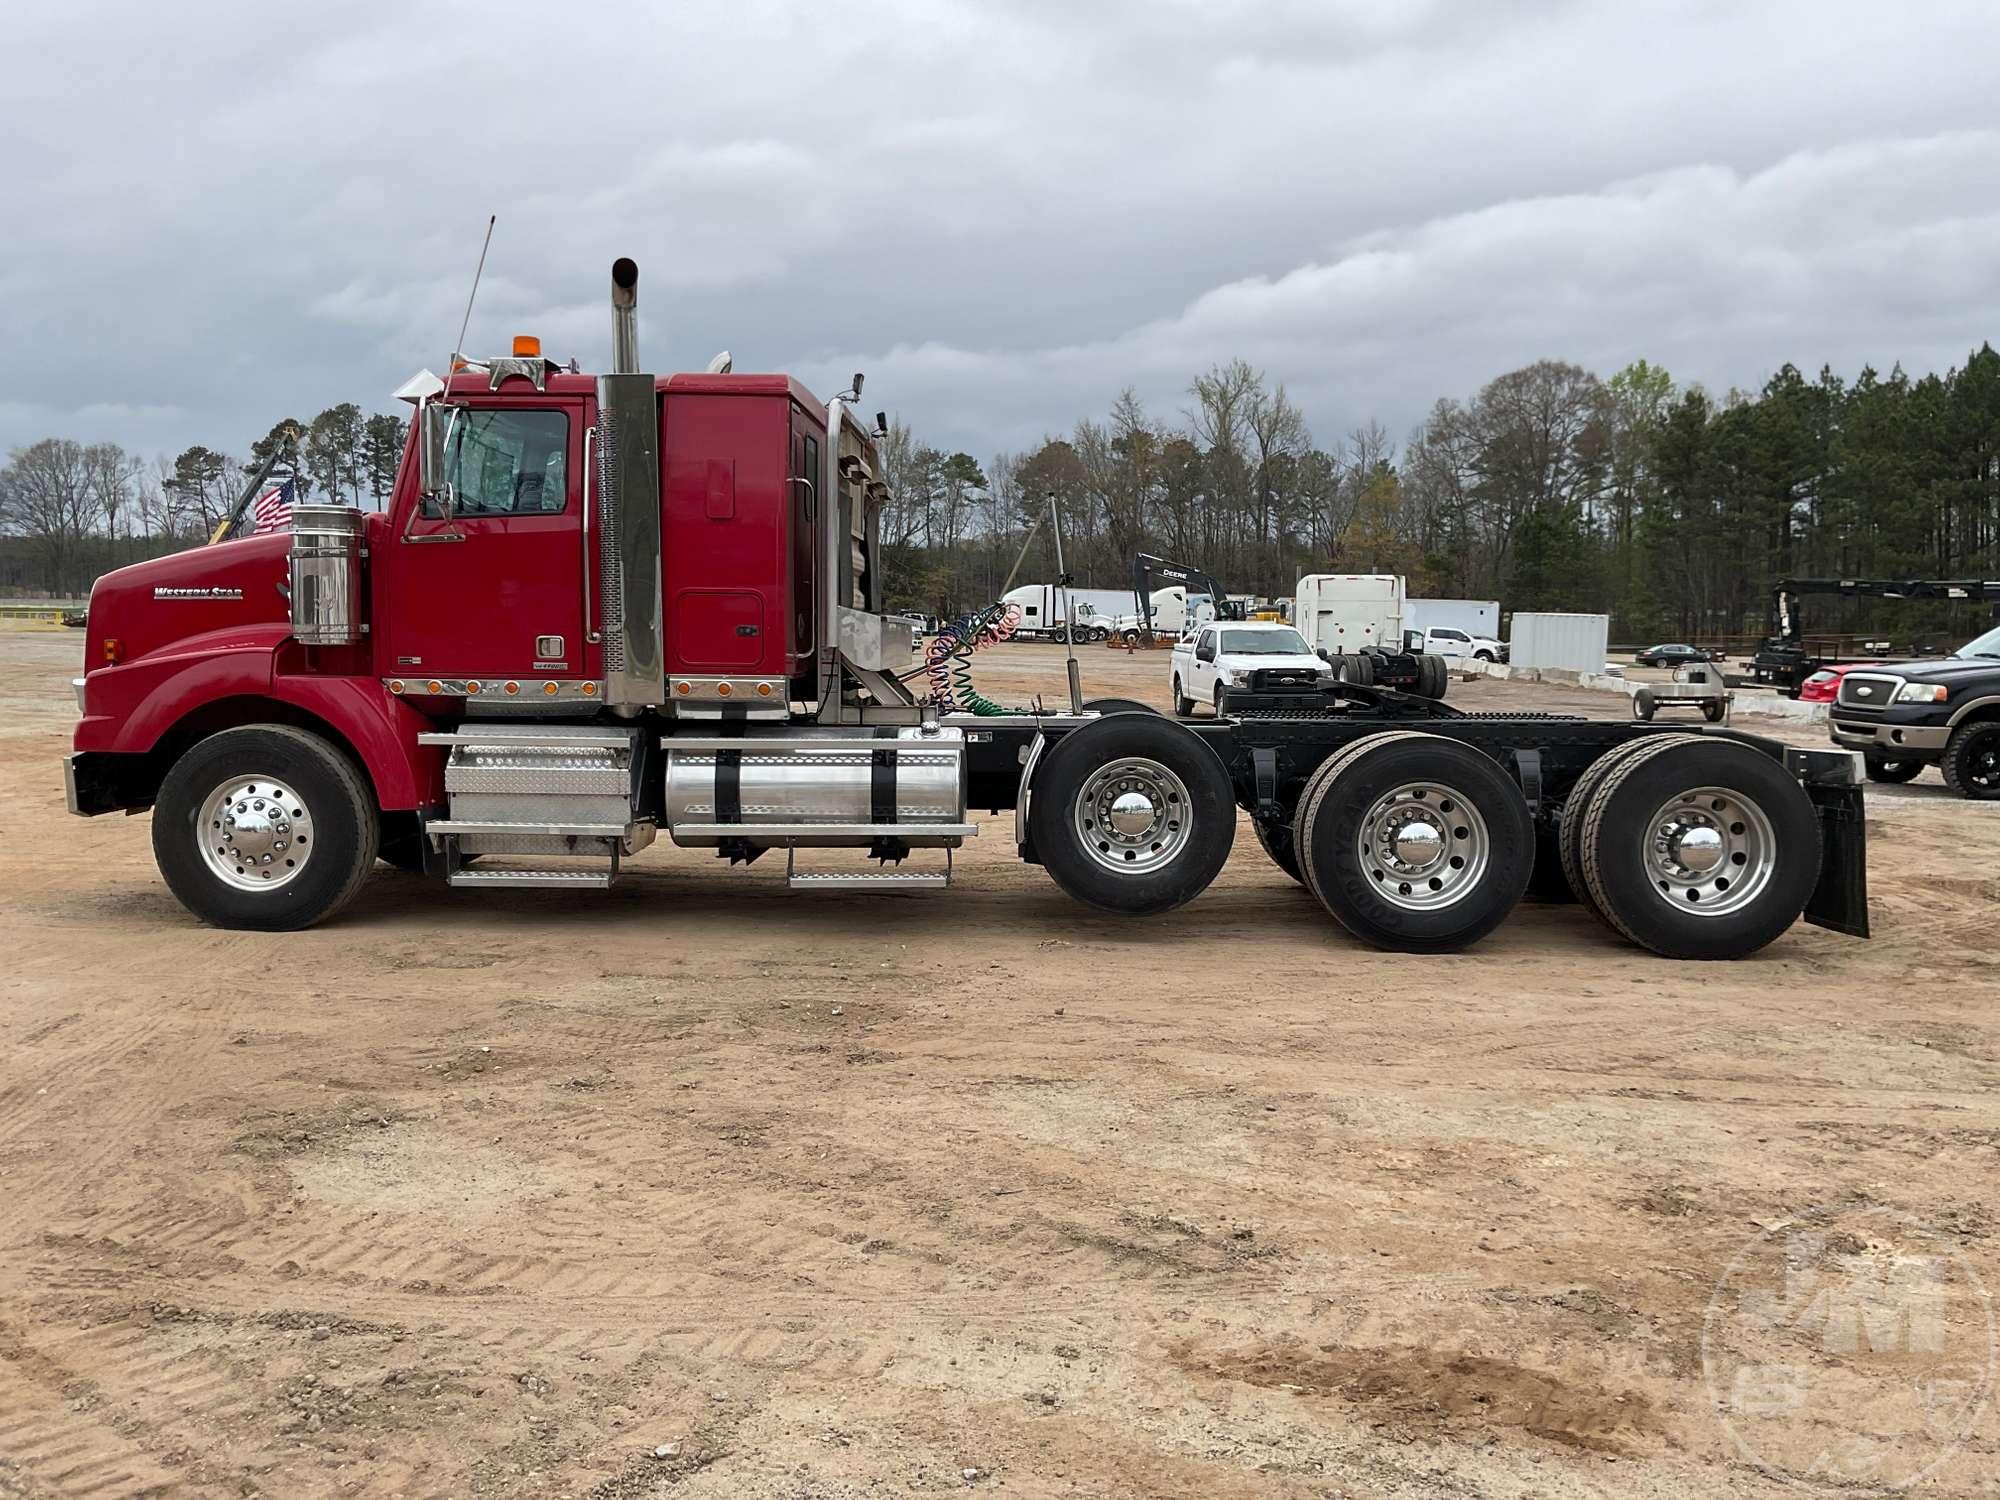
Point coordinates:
[[1424, 845], [1710, 851], [256, 834], [1133, 815]]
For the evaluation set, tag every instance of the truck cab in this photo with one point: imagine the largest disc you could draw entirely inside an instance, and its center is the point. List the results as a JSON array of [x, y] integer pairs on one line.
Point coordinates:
[[1908, 715]]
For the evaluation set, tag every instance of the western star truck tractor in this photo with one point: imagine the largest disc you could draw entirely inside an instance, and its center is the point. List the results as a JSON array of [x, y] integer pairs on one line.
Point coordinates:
[[602, 610]]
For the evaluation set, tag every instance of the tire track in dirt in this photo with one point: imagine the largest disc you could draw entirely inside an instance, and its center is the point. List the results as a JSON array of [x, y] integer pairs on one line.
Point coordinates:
[[52, 1429]]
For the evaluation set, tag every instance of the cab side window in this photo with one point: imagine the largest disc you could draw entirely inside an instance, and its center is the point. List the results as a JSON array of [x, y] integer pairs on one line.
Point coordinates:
[[510, 462]]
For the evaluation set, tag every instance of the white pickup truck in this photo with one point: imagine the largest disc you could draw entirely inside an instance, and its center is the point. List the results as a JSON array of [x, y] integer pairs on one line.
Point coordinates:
[[1246, 664], [1444, 640]]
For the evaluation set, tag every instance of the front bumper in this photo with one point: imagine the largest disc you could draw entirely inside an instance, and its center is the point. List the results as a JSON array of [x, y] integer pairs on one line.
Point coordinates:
[[1889, 733]]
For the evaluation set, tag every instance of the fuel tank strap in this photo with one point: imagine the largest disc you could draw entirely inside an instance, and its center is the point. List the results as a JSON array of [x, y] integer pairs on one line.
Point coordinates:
[[882, 786], [729, 786]]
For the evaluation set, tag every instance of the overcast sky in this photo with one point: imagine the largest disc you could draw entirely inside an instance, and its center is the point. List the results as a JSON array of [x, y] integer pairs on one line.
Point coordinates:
[[218, 215]]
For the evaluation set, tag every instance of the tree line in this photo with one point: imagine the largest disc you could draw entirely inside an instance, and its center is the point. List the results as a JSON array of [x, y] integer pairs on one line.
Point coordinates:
[[71, 510], [1669, 507]]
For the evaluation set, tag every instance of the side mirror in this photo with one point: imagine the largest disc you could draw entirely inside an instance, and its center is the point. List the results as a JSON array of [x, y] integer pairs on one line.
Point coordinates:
[[434, 428], [857, 385]]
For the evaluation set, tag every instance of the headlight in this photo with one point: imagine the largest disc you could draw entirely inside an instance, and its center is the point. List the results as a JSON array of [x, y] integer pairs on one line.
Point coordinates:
[[1922, 692], [1236, 676]]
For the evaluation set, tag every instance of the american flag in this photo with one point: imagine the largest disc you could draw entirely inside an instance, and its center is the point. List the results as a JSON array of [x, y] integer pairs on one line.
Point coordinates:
[[273, 509]]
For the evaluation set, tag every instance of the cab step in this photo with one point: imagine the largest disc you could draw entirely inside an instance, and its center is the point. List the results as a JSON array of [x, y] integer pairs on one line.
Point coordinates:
[[568, 880], [865, 880]]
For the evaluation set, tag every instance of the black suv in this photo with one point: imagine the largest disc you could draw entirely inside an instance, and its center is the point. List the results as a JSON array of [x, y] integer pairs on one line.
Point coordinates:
[[1911, 714]]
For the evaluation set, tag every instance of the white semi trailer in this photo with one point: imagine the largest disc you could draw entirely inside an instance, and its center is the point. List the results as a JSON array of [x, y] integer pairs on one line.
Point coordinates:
[[1046, 607]]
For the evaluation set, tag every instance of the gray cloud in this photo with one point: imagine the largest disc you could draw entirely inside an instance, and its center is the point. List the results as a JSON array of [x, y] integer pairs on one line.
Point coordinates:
[[1005, 213]]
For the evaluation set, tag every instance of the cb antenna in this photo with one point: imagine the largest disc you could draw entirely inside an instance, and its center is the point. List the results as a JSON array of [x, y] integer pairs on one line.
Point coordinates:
[[458, 348]]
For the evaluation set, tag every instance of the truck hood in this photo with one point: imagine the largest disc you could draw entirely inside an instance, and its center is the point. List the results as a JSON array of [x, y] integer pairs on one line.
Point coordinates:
[[1249, 661], [1946, 670], [149, 606]]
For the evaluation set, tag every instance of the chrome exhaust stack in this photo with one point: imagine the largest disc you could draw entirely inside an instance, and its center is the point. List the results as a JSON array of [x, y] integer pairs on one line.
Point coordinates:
[[626, 515], [624, 316]]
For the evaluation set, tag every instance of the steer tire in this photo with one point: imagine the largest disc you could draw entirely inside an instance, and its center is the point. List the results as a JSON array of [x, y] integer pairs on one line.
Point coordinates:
[[1277, 840], [1971, 763], [1569, 852], [1771, 877], [1198, 831], [1892, 772], [331, 800], [1488, 853]]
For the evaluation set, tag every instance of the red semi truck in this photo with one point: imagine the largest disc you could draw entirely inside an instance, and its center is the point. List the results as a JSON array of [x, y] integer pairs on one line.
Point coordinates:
[[602, 609]]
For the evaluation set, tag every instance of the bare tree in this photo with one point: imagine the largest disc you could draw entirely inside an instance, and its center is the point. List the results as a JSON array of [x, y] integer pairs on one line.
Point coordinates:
[[48, 496]]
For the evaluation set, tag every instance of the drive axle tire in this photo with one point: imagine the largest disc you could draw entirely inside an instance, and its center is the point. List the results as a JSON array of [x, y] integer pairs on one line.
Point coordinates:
[[1414, 842], [1183, 704], [1971, 763], [1117, 706], [1893, 772], [1568, 830], [1433, 677], [1279, 842], [268, 828], [1699, 848], [1132, 813], [1357, 668]]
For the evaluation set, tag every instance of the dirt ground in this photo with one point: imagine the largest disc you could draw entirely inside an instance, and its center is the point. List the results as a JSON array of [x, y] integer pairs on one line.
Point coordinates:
[[698, 1187]]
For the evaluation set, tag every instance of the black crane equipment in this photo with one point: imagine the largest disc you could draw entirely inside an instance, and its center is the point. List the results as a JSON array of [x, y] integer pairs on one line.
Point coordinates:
[[1782, 660], [1147, 569]]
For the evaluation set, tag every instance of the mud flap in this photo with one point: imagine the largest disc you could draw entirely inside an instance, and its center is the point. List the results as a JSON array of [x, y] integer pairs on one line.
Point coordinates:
[[1840, 900]]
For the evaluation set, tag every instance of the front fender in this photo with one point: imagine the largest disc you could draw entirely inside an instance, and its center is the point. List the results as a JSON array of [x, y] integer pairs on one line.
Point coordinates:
[[382, 729], [129, 709]]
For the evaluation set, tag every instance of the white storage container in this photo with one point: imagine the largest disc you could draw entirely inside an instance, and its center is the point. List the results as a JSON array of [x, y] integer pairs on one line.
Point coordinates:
[[1570, 643]]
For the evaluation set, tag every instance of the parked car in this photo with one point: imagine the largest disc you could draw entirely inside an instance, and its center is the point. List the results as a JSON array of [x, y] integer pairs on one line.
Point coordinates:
[[1673, 656], [1905, 715], [1824, 685], [1254, 664]]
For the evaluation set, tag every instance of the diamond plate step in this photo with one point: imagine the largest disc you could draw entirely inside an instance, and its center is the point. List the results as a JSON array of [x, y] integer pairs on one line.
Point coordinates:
[[900, 880], [536, 879]]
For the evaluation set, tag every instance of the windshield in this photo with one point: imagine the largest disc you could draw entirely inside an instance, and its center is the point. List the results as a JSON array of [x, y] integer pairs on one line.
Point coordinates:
[[1987, 645], [1264, 643]]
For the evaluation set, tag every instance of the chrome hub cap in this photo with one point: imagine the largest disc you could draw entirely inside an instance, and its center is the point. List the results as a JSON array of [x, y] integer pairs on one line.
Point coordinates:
[[256, 834], [1424, 846], [1133, 815], [1710, 851]]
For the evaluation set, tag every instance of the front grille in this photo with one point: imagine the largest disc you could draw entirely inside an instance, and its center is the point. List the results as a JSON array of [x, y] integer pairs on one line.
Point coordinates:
[[1868, 690], [1284, 680]]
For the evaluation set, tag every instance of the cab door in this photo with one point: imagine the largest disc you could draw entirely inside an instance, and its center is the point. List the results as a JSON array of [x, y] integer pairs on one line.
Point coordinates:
[[496, 588]]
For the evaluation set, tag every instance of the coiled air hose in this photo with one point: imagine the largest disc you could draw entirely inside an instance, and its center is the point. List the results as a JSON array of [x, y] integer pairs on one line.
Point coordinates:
[[948, 659]]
